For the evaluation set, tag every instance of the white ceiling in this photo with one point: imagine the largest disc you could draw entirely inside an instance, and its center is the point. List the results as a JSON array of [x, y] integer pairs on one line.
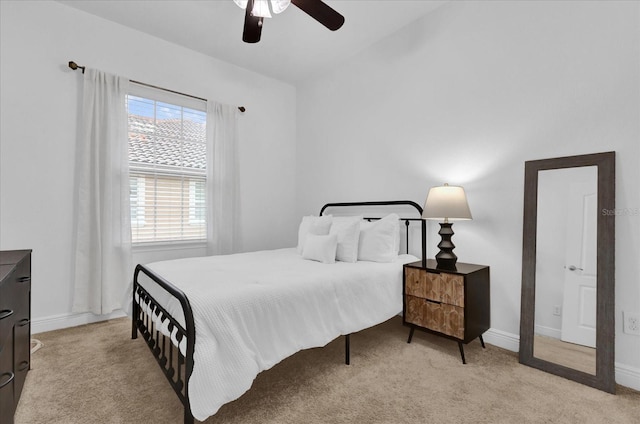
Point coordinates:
[[293, 46]]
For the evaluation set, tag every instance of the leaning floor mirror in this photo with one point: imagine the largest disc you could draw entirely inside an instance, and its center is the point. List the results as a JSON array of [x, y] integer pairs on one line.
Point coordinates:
[[567, 324]]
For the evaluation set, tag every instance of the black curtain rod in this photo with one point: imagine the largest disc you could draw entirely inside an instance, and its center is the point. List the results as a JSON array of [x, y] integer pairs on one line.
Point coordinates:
[[73, 65]]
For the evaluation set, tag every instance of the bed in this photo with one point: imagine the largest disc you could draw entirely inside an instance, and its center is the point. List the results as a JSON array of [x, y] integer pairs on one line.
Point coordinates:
[[252, 310]]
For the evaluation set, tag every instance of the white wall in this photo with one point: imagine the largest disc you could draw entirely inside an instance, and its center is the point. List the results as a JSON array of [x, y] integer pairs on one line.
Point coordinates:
[[466, 95], [40, 109]]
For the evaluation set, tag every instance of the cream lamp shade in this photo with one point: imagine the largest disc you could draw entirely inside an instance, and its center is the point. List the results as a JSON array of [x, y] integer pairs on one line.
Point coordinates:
[[446, 203]]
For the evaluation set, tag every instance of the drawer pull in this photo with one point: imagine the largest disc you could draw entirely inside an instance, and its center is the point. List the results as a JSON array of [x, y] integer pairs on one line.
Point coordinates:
[[434, 301], [23, 322], [6, 313], [9, 380], [24, 279], [23, 366]]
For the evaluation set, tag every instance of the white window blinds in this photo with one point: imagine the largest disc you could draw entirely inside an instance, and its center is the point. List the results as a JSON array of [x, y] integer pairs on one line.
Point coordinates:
[[167, 159]]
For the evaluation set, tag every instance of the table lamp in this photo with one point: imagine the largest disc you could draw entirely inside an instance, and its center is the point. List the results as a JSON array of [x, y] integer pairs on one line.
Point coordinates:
[[446, 203]]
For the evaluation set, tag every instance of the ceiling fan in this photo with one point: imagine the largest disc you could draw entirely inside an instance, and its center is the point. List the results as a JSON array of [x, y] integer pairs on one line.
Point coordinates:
[[257, 10]]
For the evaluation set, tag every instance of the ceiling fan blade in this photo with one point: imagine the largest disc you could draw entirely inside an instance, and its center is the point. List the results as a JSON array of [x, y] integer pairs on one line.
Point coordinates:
[[322, 13], [252, 25]]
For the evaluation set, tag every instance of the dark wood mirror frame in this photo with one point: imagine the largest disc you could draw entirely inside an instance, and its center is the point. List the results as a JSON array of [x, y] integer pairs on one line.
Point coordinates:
[[604, 379]]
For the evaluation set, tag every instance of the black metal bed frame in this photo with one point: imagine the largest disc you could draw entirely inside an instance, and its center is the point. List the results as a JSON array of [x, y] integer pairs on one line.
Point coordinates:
[[176, 366]]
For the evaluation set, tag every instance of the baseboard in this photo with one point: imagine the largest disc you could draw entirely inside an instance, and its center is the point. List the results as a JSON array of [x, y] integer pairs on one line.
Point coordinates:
[[625, 375], [548, 331], [57, 322], [502, 339], [628, 376]]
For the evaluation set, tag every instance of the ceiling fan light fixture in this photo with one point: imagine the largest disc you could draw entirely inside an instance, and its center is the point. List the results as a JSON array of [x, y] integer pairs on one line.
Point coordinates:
[[279, 6], [261, 7], [242, 4], [256, 10]]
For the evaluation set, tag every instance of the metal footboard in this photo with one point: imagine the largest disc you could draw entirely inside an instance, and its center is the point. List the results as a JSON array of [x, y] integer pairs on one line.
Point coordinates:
[[175, 365]]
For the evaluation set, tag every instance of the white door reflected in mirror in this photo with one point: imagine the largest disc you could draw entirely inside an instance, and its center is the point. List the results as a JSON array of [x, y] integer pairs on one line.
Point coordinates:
[[566, 267], [579, 301]]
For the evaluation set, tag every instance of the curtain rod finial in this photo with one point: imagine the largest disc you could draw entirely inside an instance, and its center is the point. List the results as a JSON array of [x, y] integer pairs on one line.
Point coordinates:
[[73, 65]]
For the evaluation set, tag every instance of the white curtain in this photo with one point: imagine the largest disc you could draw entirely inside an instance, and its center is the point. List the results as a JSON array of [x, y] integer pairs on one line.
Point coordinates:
[[222, 195], [103, 262]]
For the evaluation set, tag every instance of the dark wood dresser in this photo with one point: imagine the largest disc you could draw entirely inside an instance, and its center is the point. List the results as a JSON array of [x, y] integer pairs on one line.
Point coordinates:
[[15, 328], [451, 303]]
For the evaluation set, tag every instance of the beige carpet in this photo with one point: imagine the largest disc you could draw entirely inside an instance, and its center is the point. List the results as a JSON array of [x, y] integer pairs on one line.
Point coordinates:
[[97, 374]]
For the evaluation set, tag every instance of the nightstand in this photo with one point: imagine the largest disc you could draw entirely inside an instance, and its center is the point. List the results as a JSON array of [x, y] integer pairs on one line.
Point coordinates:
[[450, 303]]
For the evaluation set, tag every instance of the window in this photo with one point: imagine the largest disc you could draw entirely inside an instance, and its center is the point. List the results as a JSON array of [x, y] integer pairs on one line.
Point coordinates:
[[137, 196], [167, 166], [197, 208]]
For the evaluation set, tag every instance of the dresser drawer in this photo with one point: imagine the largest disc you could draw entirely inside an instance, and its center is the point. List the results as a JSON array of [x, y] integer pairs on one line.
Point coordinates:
[[22, 302], [7, 380], [6, 398], [440, 317], [7, 309], [7, 317], [22, 355]]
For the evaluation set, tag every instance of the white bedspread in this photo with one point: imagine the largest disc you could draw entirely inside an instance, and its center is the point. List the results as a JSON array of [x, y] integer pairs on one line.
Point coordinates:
[[252, 310]]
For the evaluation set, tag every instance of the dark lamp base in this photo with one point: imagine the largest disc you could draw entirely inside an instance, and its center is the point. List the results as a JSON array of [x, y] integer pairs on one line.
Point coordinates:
[[449, 264], [446, 259]]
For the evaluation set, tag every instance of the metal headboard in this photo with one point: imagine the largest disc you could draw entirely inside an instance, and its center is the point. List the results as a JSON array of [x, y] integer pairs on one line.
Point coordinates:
[[406, 220]]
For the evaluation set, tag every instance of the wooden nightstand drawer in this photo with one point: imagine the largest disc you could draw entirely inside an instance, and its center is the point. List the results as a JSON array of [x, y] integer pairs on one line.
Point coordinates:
[[441, 317], [445, 288], [450, 317], [414, 312], [415, 282], [438, 286]]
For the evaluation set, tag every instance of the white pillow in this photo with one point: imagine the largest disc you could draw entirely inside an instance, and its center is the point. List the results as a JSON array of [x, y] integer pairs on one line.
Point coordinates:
[[320, 248], [347, 228], [379, 240], [318, 225]]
